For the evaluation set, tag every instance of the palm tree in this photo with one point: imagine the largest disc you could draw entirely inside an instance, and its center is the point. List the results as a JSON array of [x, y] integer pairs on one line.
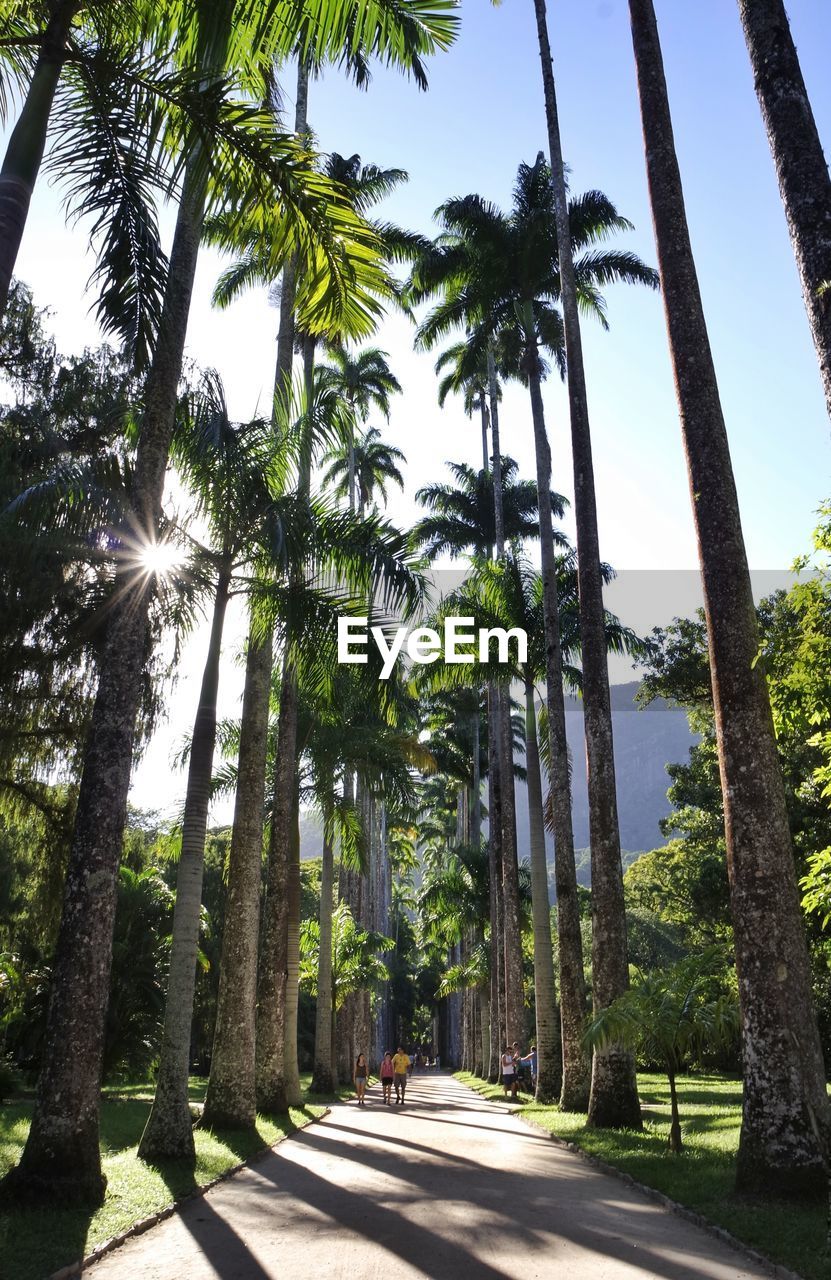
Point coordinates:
[[473, 385], [62, 1153], [786, 1124], [671, 1017], [231, 1095], [500, 276], [465, 517], [614, 1096], [82, 48], [366, 382], [374, 462], [234, 474], [801, 167], [462, 514]]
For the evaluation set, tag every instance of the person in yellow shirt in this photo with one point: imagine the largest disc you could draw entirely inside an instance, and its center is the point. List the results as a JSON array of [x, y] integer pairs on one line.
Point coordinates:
[[400, 1063]]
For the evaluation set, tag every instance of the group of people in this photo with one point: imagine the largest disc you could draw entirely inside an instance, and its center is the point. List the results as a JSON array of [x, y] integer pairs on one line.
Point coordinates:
[[513, 1065], [394, 1072]]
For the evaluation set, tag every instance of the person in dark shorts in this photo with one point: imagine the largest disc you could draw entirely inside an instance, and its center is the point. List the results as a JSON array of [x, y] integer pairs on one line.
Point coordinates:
[[400, 1066], [359, 1076], [508, 1069], [386, 1074]]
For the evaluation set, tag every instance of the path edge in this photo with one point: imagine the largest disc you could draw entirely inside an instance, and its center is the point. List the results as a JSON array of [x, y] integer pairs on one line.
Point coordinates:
[[73, 1269], [652, 1193]]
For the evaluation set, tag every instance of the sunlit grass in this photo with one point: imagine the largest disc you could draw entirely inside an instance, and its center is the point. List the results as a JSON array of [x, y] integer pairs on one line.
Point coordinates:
[[702, 1176], [34, 1243]]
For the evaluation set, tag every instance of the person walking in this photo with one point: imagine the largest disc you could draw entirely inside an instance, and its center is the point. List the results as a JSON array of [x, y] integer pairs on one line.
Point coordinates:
[[386, 1073], [530, 1059], [508, 1068], [359, 1076], [400, 1066]]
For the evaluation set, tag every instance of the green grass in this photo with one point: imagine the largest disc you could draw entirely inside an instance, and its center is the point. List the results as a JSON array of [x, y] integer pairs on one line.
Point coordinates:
[[34, 1243], [702, 1176]]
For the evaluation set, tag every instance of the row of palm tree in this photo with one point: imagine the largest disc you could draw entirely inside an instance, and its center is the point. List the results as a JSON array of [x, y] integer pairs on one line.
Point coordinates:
[[235, 173], [508, 288], [783, 1069]]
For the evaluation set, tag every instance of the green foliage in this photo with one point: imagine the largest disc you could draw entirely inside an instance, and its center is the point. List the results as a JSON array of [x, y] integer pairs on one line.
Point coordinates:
[[671, 1017], [356, 955]]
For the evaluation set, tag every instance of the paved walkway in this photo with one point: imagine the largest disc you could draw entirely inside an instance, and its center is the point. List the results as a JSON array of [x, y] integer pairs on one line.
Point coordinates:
[[447, 1186]]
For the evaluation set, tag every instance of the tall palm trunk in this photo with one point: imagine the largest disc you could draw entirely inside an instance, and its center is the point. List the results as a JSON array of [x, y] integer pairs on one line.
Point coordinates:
[[291, 1069], [483, 413], [786, 1123], [26, 145], [231, 1099], [273, 976], [62, 1156], [575, 1060], [801, 167], [169, 1130], [323, 1080], [497, 967], [613, 1101], [498, 517], [511, 928], [549, 1064]]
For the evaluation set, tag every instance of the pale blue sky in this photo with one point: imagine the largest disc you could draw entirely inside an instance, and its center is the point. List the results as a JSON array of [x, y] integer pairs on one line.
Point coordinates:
[[481, 117]]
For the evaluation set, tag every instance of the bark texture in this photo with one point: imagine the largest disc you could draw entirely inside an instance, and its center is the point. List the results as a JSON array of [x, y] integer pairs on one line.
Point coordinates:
[[169, 1129], [549, 1061], [576, 1064], [62, 1156], [801, 167], [613, 1100], [291, 1069], [27, 142], [785, 1120], [231, 1099], [273, 974], [323, 1080], [497, 979], [511, 929]]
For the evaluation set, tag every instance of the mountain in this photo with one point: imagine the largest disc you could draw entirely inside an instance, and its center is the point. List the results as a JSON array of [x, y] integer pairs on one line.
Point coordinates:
[[646, 741]]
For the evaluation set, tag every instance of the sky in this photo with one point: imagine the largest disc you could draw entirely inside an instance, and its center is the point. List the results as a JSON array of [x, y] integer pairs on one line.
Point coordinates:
[[481, 117]]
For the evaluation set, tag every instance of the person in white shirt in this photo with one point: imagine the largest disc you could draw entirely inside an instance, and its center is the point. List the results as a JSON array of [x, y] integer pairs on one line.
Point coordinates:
[[508, 1071]]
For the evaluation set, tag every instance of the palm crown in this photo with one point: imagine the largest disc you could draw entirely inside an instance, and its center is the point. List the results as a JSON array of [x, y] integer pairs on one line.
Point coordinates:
[[498, 273]]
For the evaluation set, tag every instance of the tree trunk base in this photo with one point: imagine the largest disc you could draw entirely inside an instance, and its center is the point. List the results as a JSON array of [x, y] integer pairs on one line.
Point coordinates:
[[323, 1081], [42, 1190], [614, 1102], [549, 1086], [241, 1119], [168, 1134], [272, 1099], [759, 1177]]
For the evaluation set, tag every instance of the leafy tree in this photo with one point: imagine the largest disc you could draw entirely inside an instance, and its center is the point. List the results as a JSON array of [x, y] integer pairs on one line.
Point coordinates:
[[669, 1018], [374, 463], [462, 514]]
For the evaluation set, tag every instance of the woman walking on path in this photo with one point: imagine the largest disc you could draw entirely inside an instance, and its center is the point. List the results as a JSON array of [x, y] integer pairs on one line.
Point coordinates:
[[386, 1076], [400, 1065], [359, 1076]]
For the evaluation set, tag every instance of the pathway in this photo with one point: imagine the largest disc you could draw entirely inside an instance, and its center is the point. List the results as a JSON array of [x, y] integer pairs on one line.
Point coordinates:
[[447, 1186]]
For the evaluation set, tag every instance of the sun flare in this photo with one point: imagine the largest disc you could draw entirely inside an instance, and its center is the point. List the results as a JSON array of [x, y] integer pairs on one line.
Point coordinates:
[[160, 558]]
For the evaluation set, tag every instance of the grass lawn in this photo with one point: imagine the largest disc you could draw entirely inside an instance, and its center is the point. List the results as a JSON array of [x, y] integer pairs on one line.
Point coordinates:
[[34, 1243], [702, 1176]]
